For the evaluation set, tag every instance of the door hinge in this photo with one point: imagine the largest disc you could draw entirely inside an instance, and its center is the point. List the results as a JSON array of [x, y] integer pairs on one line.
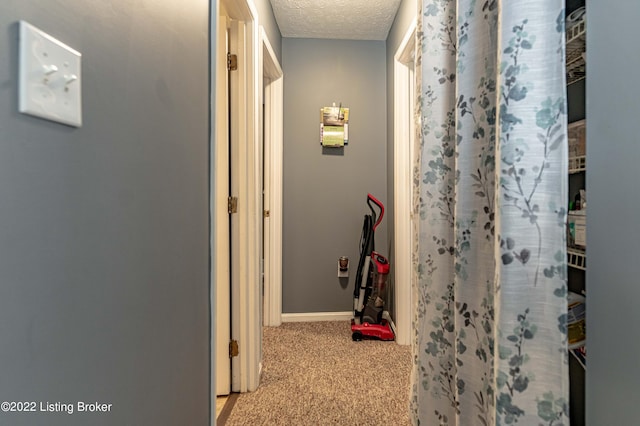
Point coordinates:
[[232, 62], [232, 205], [233, 348], [266, 213]]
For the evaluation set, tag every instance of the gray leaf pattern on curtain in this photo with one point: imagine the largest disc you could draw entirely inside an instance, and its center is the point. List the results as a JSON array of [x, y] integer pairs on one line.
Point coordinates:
[[490, 251]]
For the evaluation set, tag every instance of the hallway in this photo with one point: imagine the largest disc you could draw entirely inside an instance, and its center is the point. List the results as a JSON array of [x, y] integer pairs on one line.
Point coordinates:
[[105, 231]]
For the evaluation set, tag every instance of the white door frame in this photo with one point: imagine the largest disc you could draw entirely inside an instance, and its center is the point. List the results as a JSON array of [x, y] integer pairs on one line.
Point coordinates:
[[246, 297], [403, 154], [273, 154]]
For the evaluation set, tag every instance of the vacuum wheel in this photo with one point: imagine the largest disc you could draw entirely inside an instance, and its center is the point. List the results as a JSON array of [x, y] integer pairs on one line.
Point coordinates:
[[356, 336]]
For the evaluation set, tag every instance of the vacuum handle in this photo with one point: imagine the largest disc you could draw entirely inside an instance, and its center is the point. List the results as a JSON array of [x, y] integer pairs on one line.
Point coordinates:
[[370, 199]]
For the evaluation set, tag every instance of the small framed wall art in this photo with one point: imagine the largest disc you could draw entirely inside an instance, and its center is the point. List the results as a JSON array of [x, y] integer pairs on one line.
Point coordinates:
[[334, 126]]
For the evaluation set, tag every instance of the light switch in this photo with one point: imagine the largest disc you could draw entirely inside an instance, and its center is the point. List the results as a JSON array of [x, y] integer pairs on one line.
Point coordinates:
[[49, 77]]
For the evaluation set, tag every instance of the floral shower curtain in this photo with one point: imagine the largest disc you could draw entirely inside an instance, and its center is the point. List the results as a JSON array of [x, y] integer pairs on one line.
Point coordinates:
[[490, 293]]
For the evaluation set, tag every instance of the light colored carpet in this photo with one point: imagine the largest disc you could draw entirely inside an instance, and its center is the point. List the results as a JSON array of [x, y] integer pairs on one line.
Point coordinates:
[[314, 374]]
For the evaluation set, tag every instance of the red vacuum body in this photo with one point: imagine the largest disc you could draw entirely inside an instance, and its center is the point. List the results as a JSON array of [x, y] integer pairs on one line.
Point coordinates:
[[371, 281]]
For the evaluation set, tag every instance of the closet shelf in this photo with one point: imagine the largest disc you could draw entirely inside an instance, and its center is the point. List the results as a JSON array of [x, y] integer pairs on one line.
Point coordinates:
[[577, 258], [577, 164], [576, 52]]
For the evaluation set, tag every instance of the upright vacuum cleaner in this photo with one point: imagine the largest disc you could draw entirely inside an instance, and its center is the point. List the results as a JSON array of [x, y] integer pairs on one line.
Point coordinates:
[[371, 279]]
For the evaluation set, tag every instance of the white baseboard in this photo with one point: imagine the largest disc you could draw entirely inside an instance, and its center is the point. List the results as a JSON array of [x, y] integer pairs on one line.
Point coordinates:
[[317, 316]]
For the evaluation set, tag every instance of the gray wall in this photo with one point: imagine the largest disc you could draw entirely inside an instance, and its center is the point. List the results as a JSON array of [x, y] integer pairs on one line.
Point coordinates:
[[325, 190], [267, 19], [104, 229], [613, 152]]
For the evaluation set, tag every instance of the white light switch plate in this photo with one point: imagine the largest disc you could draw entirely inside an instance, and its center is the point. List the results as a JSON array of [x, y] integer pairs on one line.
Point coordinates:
[[49, 77]]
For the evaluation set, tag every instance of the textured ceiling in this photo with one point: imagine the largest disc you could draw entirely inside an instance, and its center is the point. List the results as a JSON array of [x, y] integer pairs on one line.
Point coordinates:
[[336, 19]]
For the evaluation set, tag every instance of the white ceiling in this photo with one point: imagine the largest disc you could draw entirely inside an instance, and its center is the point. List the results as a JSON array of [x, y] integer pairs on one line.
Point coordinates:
[[335, 19]]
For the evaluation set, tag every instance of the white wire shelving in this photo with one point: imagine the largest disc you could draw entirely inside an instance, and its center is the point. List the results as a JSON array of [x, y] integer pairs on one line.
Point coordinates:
[[577, 258], [576, 52]]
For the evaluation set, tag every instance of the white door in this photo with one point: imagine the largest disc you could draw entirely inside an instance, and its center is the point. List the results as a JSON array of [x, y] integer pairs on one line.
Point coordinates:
[[237, 138], [221, 263]]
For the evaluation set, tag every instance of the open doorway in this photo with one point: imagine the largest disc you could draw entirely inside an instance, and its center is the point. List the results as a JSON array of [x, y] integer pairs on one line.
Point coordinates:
[[404, 159], [245, 68], [236, 205], [273, 144]]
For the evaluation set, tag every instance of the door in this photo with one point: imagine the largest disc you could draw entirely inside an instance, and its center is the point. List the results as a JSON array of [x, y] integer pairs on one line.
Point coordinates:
[[222, 269], [237, 137], [229, 260]]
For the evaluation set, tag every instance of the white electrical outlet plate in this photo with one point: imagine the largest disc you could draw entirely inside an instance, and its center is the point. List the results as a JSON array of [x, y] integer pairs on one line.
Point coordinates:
[[49, 77]]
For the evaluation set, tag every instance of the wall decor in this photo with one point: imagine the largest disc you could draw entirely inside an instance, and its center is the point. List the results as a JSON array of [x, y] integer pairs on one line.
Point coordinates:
[[334, 126]]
